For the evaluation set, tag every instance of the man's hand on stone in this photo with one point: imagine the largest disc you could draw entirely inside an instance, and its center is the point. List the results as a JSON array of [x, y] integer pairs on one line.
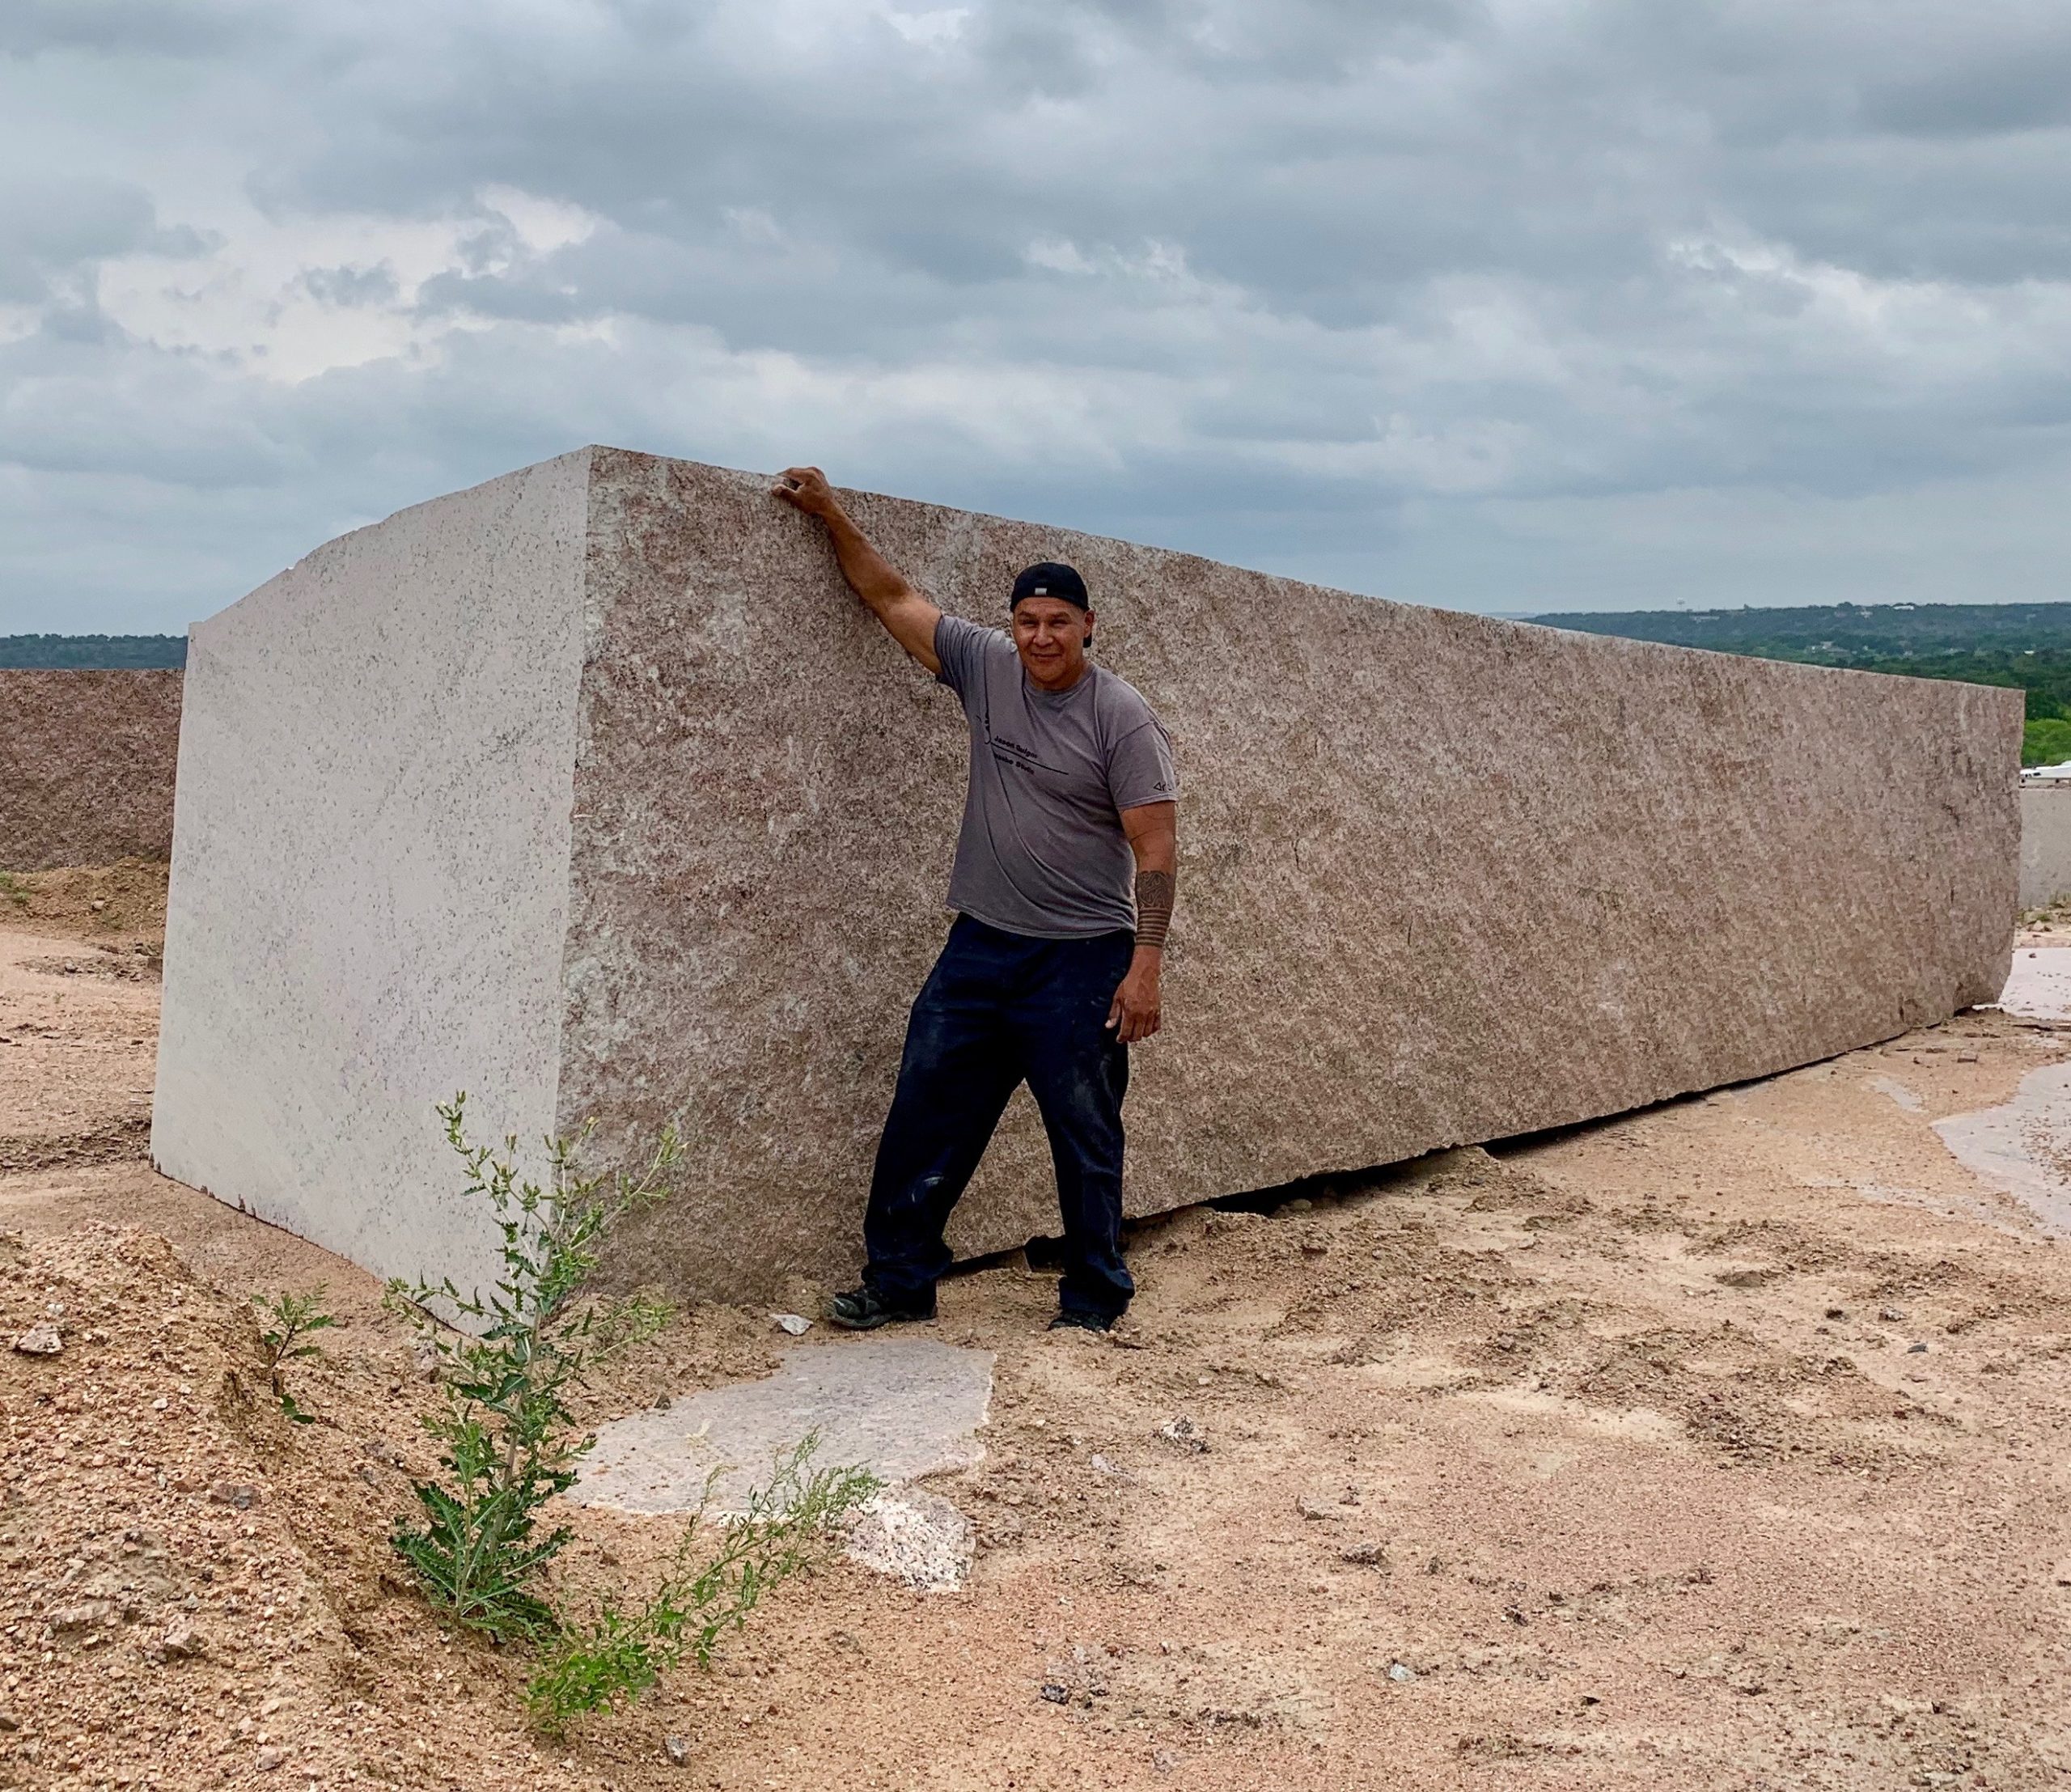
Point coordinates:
[[806, 489], [1133, 1013]]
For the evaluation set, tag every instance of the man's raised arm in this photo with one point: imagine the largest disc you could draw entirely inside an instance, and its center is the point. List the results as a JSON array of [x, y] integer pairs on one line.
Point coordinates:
[[908, 618]]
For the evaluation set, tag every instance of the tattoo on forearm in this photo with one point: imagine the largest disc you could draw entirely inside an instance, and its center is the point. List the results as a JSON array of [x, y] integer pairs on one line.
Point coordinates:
[[1153, 907]]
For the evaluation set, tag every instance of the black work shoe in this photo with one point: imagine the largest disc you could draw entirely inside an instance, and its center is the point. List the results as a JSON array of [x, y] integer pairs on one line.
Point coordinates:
[[1071, 1320], [860, 1310]]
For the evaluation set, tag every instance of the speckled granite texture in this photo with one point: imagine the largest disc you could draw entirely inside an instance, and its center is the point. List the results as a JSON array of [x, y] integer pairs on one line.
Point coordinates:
[[1442, 878], [86, 767], [370, 871]]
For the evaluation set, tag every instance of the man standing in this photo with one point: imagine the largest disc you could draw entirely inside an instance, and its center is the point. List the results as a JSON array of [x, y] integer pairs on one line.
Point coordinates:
[[1062, 887]]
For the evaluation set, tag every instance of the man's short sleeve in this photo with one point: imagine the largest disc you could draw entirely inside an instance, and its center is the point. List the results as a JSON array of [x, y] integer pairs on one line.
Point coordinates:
[[1140, 767], [962, 646]]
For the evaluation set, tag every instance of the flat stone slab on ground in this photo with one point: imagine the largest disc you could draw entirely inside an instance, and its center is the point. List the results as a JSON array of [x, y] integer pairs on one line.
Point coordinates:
[[2038, 985], [899, 1407], [2019, 1146]]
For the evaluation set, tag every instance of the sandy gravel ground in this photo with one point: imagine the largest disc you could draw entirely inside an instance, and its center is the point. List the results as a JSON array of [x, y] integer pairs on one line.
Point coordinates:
[[1722, 1446]]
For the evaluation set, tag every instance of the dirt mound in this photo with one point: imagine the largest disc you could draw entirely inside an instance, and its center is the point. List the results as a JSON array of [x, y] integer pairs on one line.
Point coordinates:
[[157, 1580], [119, 905], [203, 1589]]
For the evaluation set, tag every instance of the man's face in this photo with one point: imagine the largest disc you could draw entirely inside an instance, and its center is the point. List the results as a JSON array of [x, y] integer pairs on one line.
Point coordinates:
[[1051, 635]]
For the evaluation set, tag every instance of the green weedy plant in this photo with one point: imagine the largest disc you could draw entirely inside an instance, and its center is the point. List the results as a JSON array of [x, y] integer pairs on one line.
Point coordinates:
[[295, 1317], [617, 1655], [511, 1442]]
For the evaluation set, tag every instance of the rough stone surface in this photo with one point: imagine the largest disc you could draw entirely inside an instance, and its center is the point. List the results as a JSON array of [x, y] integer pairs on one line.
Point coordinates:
[[916, 1536], [2045, 844], [1443, 878], [86, 767], [899, 1407]]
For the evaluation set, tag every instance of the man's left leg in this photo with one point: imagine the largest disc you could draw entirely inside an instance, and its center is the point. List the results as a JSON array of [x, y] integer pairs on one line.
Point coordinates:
[[1078, 1073]]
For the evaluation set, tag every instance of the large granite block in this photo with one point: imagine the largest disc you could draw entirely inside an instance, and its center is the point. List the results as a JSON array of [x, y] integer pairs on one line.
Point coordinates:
[[2045, 843], [86, 766], [593, 791]]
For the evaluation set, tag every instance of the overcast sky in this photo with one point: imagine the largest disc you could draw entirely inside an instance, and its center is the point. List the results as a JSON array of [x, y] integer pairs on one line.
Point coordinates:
[[1510, 305]]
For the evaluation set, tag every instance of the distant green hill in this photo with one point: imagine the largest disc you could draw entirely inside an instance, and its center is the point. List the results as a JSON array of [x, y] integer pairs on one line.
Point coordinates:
[[2026, 646], [91, 652]]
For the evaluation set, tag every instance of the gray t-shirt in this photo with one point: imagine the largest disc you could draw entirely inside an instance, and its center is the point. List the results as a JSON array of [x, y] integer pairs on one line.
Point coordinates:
[[1042, 852]]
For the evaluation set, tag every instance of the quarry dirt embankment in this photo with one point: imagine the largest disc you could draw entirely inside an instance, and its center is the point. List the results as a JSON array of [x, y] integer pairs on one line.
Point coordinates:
[[1716, 1446], [86, 763]]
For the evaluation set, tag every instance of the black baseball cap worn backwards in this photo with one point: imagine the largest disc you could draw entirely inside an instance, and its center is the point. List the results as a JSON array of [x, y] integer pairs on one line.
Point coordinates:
[[1051, 578]]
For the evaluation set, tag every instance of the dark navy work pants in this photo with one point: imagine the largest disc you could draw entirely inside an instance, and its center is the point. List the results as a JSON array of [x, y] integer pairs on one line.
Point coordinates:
[[998, 1009]]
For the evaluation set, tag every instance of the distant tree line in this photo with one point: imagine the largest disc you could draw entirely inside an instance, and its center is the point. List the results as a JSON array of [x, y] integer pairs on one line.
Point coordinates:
[[2023, 646], [92, 652]]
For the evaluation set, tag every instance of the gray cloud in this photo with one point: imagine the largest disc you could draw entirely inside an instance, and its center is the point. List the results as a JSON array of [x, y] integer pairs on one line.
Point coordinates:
[[1423, 297], [58, 225], [346, 286], [128, 27]]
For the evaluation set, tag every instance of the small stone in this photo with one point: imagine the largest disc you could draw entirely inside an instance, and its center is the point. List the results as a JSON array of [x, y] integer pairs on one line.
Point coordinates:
[[1890, 1315], [1184, 1433], [1398, 1672], [2061, 1574], [1368, 1555], [240, 1494], [1915, 1349], [82, 1617], [916, 1535], [1967, 1058], [270, 1758], [1310, 1507], [796, 1325], [40, 1340], [1103, 1466], [9, 1721], [367, 1474], [1055, 1693], [182, 1642], [662, 1403], [677, 1748], [1836, 1312]]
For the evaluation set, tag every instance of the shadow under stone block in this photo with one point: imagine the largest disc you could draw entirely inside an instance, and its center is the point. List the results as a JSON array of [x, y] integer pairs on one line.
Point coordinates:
[[593, 791]]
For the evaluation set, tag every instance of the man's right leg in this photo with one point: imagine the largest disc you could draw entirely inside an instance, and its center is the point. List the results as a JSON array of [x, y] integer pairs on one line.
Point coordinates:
[[959, 1068]]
